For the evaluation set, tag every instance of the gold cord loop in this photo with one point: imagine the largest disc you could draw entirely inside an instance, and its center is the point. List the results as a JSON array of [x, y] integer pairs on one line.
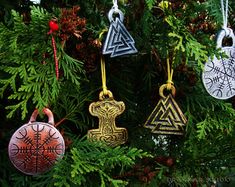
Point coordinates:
[[102, 33], [103, 76], [169, 83], [105, 91]]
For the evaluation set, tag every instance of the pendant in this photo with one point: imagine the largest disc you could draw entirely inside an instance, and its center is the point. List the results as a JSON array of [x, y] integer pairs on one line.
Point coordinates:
[[167, 117], [36, 146], [107, 109], [118, 41], [219, 73]]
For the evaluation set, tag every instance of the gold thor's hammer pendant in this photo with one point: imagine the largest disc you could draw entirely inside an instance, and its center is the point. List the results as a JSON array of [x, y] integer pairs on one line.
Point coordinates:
[[107, 109]]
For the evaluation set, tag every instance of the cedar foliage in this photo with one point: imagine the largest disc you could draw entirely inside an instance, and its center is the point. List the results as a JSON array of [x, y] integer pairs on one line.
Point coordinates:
[[184, 29]]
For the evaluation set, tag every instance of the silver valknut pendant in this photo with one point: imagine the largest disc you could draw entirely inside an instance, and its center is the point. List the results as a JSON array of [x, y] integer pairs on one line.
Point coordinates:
[[118, 41]]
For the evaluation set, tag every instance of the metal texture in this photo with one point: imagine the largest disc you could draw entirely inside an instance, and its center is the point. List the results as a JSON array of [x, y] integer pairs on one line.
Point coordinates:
[[219, 73], [118, 41], [166, 118], [35, 147], [107, 110]]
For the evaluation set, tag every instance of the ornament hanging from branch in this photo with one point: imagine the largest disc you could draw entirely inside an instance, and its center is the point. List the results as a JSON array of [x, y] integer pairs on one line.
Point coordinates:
[[219, 73], [107, 109], [36, 146], [118, 41], [167, 117]]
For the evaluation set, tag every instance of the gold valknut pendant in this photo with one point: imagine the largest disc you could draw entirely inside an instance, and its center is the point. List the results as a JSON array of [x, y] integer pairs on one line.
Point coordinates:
[[107, 109], [167, 117]]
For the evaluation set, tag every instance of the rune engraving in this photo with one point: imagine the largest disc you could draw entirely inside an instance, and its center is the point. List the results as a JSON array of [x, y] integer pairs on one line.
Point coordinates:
[[34, 148]]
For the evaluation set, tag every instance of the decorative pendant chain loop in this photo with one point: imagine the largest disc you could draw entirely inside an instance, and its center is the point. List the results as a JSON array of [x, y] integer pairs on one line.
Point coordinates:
[[167, 117], [224, 13]]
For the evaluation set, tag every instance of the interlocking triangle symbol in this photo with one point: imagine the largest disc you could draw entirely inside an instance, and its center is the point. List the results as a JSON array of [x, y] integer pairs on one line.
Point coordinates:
[[166, 118], [118, 41]]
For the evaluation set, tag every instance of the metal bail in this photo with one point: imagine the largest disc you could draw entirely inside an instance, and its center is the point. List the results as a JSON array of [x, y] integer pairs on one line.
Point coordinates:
[[118, 41], [225, 33]]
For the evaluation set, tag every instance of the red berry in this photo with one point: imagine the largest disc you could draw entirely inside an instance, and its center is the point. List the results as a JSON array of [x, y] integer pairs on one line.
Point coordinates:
[[170, 162], [53, 25]]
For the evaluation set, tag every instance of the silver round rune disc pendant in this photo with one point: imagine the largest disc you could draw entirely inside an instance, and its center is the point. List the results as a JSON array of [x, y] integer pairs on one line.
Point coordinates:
[[219, 74], [35, 147]]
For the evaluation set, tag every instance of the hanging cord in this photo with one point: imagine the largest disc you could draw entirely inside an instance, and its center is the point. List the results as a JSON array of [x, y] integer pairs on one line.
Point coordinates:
[[53, 28], [170, 71], [102, 65], [115, 5], [224, 9], [169, 83], [55, 57], [103, 75]]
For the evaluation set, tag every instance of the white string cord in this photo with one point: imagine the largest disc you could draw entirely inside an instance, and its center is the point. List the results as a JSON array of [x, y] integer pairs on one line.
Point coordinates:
[[225, 13], [115, 5]]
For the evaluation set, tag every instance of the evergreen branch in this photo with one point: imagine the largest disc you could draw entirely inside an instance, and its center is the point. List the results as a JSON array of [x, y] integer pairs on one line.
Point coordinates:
[[71, 68], [90, 157], [21, 105], [150, 3], [197, 51], [7, 82], [72, 104], [179, 46], [25, 44], [214, 10]]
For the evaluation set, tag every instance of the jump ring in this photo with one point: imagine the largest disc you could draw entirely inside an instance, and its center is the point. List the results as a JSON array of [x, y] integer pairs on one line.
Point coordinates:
[[163, 87]]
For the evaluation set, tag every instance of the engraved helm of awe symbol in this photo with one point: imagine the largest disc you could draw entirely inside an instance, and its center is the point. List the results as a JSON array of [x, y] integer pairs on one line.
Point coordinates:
[[35, 147], [219, 74]]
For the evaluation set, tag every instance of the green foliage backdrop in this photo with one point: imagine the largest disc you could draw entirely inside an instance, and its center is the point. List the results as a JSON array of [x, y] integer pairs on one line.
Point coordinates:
[[184, 29]]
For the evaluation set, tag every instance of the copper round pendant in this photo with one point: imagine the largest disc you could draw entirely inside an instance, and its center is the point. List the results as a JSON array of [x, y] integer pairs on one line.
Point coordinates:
[[35, 147]]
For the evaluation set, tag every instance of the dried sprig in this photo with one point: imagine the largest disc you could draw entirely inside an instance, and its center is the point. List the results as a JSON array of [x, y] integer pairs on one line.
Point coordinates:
[[71, 23]]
